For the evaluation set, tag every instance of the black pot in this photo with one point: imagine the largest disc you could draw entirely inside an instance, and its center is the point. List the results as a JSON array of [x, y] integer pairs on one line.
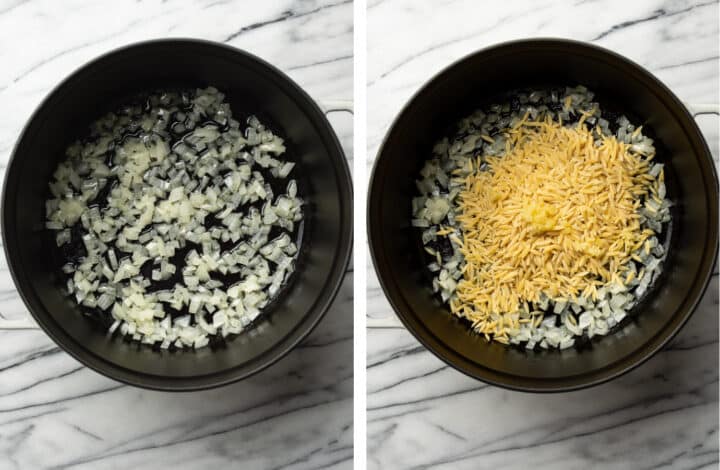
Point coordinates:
[[252, 86], [620, 85]]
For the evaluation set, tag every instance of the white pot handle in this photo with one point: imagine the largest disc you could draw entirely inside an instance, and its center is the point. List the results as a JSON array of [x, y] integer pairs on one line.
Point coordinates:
[[697, 109], [391, 321], [333, 106], [26, 323]]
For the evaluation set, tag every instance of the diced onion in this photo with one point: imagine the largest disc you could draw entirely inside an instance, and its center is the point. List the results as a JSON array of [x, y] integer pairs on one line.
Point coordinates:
[[160, 175]]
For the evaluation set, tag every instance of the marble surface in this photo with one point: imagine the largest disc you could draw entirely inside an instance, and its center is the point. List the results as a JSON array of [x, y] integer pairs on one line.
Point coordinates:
[[423, 414], [55, 413]]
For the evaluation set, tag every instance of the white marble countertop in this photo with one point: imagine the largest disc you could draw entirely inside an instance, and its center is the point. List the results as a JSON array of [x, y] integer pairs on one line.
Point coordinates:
[[55, 412], [423, 414]]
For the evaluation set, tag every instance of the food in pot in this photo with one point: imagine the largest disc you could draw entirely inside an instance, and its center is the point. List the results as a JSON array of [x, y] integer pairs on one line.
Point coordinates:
[[174, 220], [545, 218]]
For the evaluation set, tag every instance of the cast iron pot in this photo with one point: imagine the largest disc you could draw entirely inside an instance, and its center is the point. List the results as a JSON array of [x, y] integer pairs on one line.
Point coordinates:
[[620, 85], [251, 86]]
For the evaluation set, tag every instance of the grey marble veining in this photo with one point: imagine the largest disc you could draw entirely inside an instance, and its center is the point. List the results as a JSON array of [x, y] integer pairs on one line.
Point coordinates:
[[423, 414], [55, 413]]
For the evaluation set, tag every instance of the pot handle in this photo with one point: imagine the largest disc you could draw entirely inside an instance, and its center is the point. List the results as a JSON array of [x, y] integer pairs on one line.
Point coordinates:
[[391, 321], [697, 109], [334, 106], [25, 323], [21, 324]]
